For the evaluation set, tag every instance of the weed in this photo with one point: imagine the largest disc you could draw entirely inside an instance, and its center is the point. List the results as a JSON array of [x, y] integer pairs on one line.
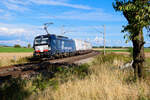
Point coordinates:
[[71, 72], [14, 90], [22, 60], [83, 82], [109, 58], [41, 83], [12, 61]]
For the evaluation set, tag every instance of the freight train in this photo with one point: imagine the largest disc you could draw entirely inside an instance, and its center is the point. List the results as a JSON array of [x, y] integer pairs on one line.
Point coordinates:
[[53, 46]]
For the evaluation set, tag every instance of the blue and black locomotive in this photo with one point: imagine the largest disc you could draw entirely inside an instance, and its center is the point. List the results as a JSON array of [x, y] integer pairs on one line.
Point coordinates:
[[51, 45]]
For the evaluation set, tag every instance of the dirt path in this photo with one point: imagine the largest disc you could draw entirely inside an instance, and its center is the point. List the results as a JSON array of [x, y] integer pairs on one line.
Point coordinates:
[[87, 60]]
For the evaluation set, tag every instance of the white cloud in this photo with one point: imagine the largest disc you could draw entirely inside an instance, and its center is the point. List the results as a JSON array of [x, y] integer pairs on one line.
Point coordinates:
[[21, 2], [13, 42], [97, 15], [11, 31], [1, 10], [60, 3], [20, 33], [14, 6], [27, 33], [6, 16], [23, 5]]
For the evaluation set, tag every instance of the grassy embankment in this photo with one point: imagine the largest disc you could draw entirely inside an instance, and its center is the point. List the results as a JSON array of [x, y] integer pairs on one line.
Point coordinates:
[[100, 80]]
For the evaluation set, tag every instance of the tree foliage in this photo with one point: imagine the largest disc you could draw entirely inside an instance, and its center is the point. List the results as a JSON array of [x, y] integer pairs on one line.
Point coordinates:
[[137, 13], [29, 45], [17, 46]]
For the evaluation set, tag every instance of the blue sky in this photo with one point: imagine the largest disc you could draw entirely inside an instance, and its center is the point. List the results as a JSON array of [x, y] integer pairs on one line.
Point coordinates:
[[22, 20]]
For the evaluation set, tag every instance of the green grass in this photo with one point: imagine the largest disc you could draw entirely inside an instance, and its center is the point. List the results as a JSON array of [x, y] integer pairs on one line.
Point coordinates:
[[12, 49], [123, 50], [147, 49]]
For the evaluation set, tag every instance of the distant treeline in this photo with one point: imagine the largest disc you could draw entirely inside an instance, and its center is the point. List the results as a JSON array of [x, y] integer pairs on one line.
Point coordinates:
[[113, 47], [17, 46], [109, 47]]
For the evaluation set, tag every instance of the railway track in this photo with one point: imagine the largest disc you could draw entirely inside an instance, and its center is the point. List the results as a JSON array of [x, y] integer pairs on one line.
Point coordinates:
[[29, 70]]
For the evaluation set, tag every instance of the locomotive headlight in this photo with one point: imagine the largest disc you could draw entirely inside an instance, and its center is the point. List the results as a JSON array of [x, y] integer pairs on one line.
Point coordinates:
[[45, 48], [36, 48]]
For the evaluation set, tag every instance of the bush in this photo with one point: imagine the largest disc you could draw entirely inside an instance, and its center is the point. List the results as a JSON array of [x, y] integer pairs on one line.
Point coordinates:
[[17, 46], [72, 72], [41, 83], [14, 90], [29, 45]]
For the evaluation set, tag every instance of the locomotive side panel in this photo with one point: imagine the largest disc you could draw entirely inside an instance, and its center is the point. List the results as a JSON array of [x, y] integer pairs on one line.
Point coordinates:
[[60, 45]]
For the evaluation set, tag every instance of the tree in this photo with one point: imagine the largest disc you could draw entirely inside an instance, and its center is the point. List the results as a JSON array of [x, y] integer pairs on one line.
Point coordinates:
[[29, 45], [137, 13], [17, 46]]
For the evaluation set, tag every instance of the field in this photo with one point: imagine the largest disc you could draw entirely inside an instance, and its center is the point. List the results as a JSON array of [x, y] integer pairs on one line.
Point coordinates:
[[147, 50], [102, 79], [11, 55], [17, 50], [13, 58]]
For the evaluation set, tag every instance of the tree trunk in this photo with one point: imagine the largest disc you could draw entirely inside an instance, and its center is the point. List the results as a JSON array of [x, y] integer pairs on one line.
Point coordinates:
[[138, 54]]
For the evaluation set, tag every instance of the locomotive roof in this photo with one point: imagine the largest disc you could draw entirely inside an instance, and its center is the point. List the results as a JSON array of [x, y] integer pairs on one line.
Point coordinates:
[[54, 36]]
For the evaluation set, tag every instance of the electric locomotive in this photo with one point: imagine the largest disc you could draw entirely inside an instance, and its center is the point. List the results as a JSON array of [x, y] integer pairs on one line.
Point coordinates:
[[51, 45]]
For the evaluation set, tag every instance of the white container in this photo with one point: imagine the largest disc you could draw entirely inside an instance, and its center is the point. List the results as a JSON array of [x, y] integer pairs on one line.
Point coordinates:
[[78, 44], [82, 45]]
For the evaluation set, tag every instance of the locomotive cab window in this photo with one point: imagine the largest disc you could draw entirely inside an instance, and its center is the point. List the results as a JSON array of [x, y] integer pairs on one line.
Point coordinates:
[[41, 41]]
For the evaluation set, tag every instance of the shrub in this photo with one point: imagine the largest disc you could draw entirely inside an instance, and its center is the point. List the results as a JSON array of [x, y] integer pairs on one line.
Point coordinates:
[[22, 60], [65, 74], [17, 46], [41, 83], [14, 90], [29, 45]]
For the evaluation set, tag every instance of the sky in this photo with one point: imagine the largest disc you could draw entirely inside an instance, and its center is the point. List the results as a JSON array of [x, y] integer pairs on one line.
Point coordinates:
[[22, 20]]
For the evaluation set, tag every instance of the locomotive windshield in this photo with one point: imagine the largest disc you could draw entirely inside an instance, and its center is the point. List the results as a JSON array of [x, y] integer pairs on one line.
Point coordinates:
[[41, 40]]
